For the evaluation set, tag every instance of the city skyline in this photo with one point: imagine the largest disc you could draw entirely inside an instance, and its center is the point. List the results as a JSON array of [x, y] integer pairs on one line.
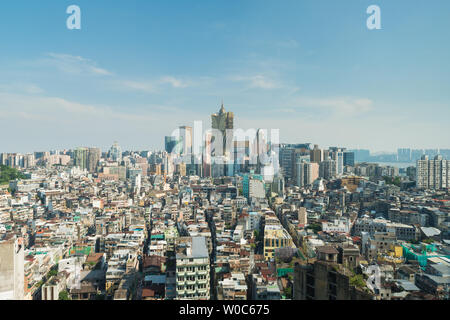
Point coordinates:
[[316, 73], [243, 152]]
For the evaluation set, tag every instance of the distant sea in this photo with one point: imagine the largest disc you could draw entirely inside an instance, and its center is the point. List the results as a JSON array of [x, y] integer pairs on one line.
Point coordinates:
[[395, 164]]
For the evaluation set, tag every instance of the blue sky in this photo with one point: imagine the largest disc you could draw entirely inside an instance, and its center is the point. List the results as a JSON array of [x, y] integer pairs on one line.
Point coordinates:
[[138, 69]]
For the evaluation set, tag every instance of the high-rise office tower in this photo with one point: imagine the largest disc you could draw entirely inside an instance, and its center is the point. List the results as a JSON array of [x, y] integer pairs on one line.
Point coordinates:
[[223, 121], [87, 158], [206, 156], [288, 154], [349, 158], [337, 154], [307, 172], [433, 174], [186, 139], [316, 154], [327, 169], [80, 156], [173, 144], [261, 150], [94, 155], [115, 153]]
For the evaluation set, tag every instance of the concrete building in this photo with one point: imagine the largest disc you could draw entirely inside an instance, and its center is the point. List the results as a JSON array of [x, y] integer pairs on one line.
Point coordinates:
[[326, 279], [302, 216], [306, 173], [12, 269], [186, 139], [115, 153], [192, 269], [316, 154], [328, 169], [433, 174], [275, 236], [232, 288]]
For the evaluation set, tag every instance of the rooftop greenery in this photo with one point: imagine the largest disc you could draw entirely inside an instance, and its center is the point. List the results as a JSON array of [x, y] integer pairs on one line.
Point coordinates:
[[7, 174]]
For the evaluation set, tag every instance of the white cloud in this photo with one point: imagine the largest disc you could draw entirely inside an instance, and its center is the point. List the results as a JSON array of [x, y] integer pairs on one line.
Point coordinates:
[[176, 83], [343, 105], [75, 64], [257, 81], [143, 86], [28, 88], [154, 86]]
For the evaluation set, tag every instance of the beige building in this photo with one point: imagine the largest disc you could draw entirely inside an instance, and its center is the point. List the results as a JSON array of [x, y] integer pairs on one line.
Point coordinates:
[[192, 269], [306, 173], [433, 174], [275, 236], [12, 269]]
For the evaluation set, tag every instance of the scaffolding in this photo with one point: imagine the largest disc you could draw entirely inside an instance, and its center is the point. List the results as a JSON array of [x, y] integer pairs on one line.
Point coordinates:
[[80, 250], [421, 253]]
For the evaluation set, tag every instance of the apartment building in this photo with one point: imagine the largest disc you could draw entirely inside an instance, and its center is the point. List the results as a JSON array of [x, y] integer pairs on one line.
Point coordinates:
[[192, 269]]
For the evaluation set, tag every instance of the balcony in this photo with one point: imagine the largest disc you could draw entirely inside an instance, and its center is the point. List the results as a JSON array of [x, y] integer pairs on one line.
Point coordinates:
[[190, 282], [202, 272]]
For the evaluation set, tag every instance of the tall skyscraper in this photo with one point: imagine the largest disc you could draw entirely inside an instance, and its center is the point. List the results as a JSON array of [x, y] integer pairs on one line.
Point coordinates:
[[288, 155], [433, 174], [223, 121], [316, 154], [186, 139], [115, 153], [337, 154], [307, 172], [173, 144], [261, 150], [327, 169], [80, 156], [349, 158], [87, 158], [206, 156], [94, 155]]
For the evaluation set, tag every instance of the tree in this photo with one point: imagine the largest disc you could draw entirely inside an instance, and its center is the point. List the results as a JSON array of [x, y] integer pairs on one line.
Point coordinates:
[[7, 174], [64, 295], [397, 181], [288, 292], [52, 273], [357, 281], [316, 227]]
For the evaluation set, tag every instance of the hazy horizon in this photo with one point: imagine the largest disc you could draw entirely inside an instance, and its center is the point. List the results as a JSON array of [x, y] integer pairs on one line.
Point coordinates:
[[137, 70]]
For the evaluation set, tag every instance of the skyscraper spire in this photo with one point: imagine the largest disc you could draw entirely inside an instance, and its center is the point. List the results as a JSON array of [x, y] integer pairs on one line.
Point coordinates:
[[222, 109]]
